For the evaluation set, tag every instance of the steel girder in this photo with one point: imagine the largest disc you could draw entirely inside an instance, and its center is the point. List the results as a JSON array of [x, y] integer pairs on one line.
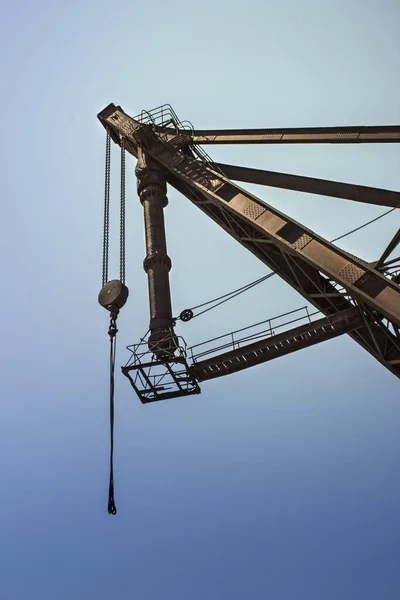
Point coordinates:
[[299, 135], [311, 185]]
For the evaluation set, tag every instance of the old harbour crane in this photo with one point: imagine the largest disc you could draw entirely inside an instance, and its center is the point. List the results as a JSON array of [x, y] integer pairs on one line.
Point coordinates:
[[349, 294]]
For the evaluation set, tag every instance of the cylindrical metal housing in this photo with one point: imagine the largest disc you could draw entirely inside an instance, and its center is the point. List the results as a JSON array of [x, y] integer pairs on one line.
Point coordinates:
[[152, 190]]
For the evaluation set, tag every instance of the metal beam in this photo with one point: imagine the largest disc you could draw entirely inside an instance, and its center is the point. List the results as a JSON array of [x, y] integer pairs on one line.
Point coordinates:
[[299, 135], [311, 185], [388, 250]]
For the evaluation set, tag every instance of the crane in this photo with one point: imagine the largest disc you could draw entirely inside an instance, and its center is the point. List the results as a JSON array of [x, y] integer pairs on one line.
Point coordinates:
[[350, 295]]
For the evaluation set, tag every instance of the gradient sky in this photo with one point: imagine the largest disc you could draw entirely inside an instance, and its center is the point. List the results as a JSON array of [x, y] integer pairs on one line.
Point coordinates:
[[281, 482]]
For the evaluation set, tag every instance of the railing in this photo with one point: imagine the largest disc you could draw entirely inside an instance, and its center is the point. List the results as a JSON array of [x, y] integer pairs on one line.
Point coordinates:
[[165, 116], [155, 378], [140, 350], [242, 337]]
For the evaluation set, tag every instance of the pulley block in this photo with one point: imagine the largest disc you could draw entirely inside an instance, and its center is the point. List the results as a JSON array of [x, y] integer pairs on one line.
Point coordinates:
[[186, 315], [113, 294]]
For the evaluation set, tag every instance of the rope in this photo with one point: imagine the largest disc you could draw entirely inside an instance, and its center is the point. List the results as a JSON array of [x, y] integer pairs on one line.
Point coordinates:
[[230, 295], [112, 332], [106, 226]]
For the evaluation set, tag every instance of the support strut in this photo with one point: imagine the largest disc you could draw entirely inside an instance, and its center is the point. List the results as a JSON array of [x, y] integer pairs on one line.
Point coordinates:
[[152, 191]]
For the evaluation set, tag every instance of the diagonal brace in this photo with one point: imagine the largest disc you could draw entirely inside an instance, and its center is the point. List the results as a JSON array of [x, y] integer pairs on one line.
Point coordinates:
[[312, 185]]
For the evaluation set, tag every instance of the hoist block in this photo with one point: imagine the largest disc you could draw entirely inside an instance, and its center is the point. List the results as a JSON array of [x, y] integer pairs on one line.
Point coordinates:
[[113, 294]]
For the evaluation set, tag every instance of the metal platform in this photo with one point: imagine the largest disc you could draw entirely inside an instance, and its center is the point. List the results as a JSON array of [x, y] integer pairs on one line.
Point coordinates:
[[159, 378]]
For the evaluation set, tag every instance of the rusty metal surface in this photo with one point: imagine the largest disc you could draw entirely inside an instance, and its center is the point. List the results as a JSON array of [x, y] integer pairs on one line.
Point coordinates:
[[312, 185]]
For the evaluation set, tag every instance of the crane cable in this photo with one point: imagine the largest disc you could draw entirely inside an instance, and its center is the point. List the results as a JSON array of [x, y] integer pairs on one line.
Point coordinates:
[[224, 298], [187, 314], [387, 212]]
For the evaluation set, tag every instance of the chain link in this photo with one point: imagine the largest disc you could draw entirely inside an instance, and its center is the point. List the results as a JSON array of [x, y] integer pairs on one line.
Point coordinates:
[[106, 228], [122, 215]]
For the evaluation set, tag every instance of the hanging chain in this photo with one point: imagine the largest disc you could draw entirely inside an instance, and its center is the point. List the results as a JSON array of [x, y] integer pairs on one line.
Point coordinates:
[[106, 228], [122, 216]]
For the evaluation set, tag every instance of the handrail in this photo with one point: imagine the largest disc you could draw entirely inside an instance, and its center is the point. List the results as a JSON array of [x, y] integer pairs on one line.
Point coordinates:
[[270, 331]]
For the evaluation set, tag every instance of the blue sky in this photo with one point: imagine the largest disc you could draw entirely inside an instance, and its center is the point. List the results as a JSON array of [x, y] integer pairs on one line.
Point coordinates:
[[280, 482]]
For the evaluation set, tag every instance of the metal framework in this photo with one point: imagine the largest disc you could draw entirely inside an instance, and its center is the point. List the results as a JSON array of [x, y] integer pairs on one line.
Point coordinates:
[[350, 295]]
